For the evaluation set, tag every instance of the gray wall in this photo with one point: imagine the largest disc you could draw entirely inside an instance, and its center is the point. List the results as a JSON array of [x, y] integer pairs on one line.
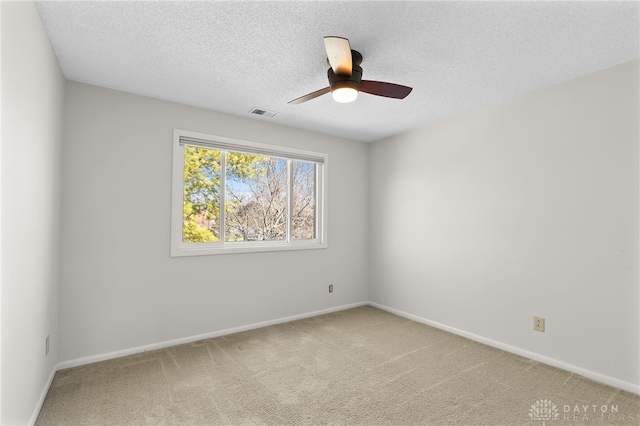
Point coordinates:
[[121, 290], [529, 207], [32, 100]]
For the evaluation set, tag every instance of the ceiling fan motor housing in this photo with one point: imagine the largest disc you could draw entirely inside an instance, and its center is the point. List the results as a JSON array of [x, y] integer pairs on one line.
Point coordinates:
[[354, 80]]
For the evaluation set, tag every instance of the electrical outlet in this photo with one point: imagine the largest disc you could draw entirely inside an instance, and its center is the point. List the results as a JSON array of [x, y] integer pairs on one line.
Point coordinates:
[[330, 288], [46, 346], [538, 324]]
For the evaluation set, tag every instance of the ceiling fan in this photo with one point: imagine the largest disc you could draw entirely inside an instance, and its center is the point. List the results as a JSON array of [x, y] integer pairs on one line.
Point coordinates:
[[345, 76]]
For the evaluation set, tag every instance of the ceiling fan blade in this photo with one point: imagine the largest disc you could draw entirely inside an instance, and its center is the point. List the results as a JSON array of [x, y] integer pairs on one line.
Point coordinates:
[[339, 54], [310, 96], [388, 90]]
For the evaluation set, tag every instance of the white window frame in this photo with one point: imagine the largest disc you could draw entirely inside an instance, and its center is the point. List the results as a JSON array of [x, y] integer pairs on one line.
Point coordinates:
[[180, 248]]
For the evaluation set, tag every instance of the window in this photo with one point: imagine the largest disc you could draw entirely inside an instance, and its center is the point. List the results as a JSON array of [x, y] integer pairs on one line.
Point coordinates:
[[233, 196]]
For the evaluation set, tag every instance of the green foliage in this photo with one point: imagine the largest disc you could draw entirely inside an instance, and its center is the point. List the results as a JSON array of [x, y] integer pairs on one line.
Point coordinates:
[[201, 194], [201, 201], [195, 233]]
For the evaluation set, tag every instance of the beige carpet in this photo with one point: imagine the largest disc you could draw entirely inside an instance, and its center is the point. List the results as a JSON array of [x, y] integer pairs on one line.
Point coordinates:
[[360, 366]]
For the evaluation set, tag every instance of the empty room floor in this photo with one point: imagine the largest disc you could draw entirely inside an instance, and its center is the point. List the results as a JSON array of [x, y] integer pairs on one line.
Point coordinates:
[[358, 366]]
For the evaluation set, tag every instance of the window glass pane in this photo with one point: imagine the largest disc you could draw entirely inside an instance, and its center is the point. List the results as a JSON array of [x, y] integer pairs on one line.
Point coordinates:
[[256, 194], [303, 200], [201, 199]]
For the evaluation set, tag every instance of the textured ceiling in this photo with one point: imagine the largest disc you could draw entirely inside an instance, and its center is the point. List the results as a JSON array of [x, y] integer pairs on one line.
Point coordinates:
[[234, 56]]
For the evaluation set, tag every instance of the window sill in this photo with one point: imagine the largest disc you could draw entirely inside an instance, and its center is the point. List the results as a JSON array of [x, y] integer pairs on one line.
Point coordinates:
[[239, 248]]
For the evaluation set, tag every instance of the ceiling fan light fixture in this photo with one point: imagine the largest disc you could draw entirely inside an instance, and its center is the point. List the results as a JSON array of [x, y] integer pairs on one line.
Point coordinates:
[[344, 91], [344, 95]]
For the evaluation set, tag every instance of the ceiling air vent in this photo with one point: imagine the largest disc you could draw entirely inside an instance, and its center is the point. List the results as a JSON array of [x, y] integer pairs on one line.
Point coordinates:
[[263, 112]]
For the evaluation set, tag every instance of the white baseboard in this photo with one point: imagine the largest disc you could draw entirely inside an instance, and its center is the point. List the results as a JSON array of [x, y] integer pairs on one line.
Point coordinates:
[[597, 377], [43, 396], [124, 352]]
